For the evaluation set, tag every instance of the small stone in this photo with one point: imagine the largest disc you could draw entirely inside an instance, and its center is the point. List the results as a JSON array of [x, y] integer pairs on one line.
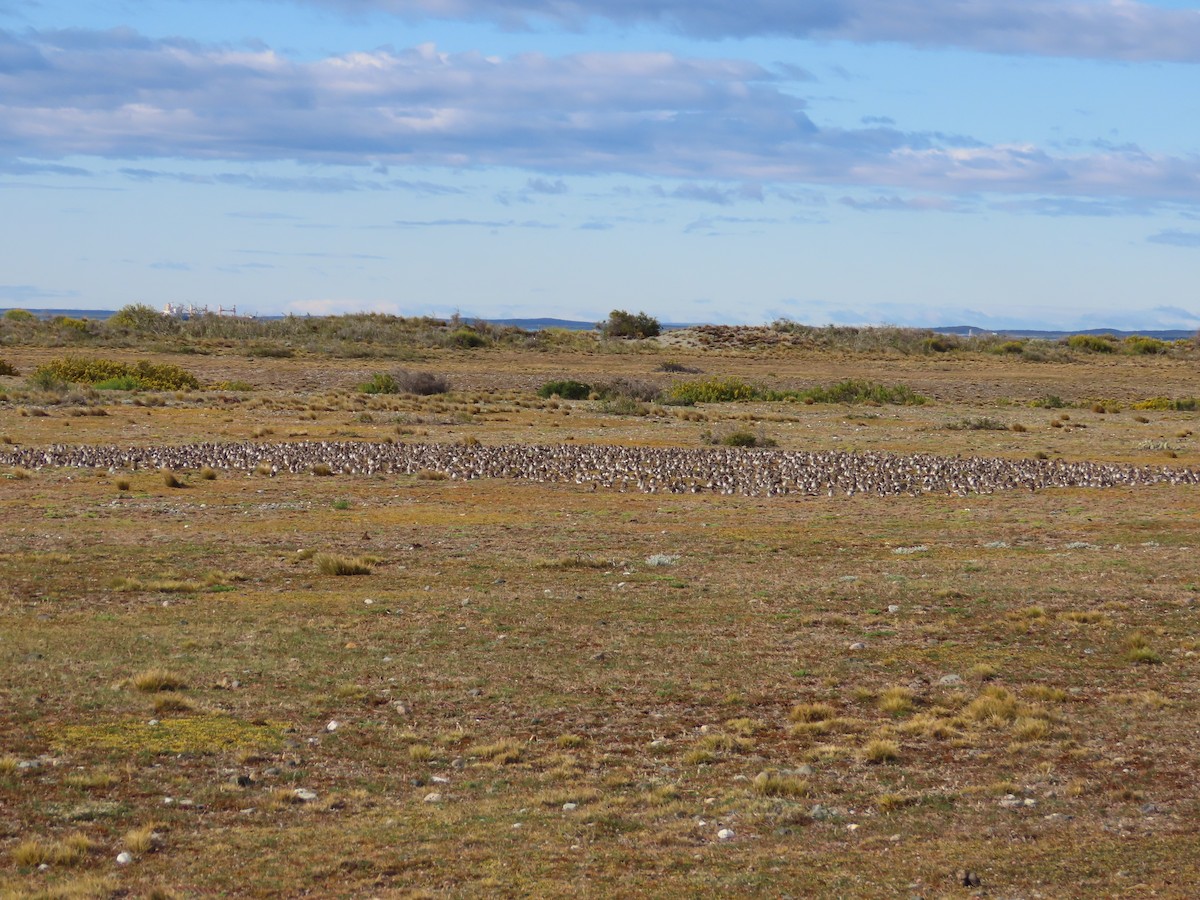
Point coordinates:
[[567, 807], [124, 858], [272, 771], [333, 725], [475, 692], [967, 878], [858, 645], [894, 608], [152, 723], [950, 679], [402, 708], [458, 763], [726, 834], [439, 779], [853, 826], [368, 602], [1010, 801], [243, 781], [304, 795], [433, 797]]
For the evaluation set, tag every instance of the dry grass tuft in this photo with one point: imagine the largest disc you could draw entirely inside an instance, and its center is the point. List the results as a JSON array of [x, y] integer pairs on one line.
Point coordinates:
[[896, 701], [501, 752], [70, 851], [812, 712], [880, 750], [208, 473], [775, 784], [142, 840], [331, 564], [1138, 650], [157, 679]]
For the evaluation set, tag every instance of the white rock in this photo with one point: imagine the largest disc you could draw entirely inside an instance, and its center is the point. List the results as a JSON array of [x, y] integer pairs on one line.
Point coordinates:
[[858, 645], [304, 795], [894, 608], [440, 779], [333, 725], [950, 679], [567, 807], [725, 834], [124, 858], [433, 797]]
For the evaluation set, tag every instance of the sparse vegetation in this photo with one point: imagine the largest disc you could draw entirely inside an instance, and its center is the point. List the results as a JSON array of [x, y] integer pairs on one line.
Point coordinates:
[[566, 389]]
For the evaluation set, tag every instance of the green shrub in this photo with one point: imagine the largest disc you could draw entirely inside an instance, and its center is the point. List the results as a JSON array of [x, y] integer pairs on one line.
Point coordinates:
[[151, 376], [1009, 347], [1180, 404], [380, 383], [467, 338], [19, 315], [1093, 343], [624, 406], [621, 324], [939, 343], [1050, 401], [567, 389], [142, 319], [712, 390], [1144, 346], [857, 391], [120, 383]]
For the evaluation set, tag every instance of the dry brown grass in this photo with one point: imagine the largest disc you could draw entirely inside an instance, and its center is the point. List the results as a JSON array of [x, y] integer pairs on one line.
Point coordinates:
[[157, 679]]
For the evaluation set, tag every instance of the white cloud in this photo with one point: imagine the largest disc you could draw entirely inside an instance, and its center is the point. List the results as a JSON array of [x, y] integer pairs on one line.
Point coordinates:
[[1094, 29], [116, 94]]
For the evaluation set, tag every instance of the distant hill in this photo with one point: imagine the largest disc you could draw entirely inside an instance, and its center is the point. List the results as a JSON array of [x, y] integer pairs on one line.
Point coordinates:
[[966, 330]]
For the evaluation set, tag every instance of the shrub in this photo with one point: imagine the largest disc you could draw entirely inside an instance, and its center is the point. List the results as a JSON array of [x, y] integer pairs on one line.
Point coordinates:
[[1050, 401], [712, 390], [621, 324], [467, 338], [405, 382], [1142, 346], [1181, 404], [120, 383], [982, 423], [1009, 347], [151, 681], [142, 319], [19, 315], [159, 377], [857, 391], [1093, 343], [6, 367], [567, 389], [631, 388]]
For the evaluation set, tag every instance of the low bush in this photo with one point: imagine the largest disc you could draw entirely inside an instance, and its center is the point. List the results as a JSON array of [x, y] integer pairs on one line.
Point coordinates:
[[858, 391], [712, 390], [622, 324], [424, 384], [1179, 404], [1143, 346], [330, 564], [567, 389], [1093, 343], [152, 376]]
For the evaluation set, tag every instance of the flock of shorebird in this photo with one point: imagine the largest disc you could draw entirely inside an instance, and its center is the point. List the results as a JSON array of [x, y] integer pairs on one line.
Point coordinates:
[[751, 472]]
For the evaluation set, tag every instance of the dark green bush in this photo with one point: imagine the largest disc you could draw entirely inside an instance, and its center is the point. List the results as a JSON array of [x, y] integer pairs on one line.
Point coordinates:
[[567, 389], [621, 324]]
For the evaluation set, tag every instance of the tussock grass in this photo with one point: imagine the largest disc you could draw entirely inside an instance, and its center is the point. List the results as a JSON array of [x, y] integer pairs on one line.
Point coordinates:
[[1139, 651], [142, 840], [332, 564], [896, 701], [89, 781], [770, 783], [880, 750], [171, 480], [812, 712], [150, 681], [70, 851]]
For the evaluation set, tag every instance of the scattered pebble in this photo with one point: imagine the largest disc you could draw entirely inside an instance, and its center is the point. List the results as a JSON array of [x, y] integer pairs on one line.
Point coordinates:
[[950, 679], [433, 797], [333, 725], [858, 645], [894, 608], [919, 548], [439, 779], [124, 858], [725, 834], [304, 795], [567, 807]]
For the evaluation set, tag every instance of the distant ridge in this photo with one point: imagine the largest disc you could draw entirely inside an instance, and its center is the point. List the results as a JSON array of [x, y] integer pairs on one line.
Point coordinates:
[[1173, 334]]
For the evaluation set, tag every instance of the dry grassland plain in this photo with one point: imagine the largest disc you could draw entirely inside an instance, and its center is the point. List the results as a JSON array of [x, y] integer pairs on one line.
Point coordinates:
[[329, 684]]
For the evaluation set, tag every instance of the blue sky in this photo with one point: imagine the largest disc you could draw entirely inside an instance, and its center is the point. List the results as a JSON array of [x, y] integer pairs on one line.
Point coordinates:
[[916, 162]]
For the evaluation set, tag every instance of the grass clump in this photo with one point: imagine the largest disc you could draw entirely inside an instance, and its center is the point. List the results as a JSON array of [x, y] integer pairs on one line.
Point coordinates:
[[1093, 343], [332, 564], [70, 851], [6, 368], [502, 753], [150, 681], [775, 784], [1139, 651], [880, 750], [712, 390], [204, 734]]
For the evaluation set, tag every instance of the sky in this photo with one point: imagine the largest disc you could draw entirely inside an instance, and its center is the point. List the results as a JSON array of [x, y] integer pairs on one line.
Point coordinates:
[[994, 163]]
